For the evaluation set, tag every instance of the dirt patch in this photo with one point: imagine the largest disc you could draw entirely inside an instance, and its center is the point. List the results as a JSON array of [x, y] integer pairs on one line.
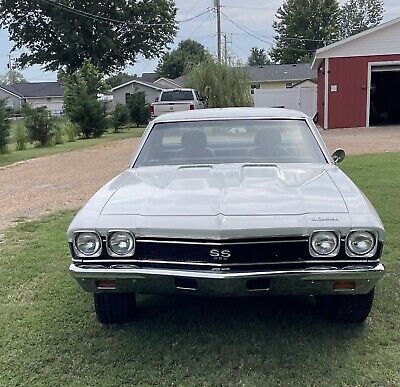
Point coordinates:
[[62, 181], [363, 140]]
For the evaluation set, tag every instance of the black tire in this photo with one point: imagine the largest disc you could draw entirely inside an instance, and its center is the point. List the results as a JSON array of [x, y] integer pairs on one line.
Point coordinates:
[[115, 308], [347, 308]]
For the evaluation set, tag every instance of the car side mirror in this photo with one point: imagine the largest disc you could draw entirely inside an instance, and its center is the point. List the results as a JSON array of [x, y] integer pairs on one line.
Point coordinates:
[[338, 155], [156, 100]]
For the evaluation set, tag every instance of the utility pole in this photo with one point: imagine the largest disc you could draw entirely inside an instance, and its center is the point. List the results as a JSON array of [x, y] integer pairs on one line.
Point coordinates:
[[225, 49], [217, 4], [10, 70]]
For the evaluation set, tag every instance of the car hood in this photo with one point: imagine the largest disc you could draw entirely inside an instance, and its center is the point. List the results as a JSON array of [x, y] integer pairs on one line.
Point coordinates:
[[231, 190]]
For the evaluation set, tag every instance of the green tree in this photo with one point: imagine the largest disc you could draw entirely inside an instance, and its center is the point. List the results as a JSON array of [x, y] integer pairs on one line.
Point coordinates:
[[39, 124], [119, 79], [138, 108], [222, 85], [64, 33], [4, 126], [177, 62], [81, 103], [12, 76], [120, 116], [303, 26], [258, 57], [360, 15]]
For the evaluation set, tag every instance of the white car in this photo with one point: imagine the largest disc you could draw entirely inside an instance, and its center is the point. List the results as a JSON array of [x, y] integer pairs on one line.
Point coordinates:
[[230, 202], [176, 100]]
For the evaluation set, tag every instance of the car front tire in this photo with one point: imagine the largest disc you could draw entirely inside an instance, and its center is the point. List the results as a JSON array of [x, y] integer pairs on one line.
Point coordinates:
[[347, 308], [115, 308]]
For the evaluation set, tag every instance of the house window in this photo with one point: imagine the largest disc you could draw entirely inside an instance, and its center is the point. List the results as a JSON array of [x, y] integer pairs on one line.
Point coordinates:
[[289, 85], [9, 103], [48, 99], [127, 95]]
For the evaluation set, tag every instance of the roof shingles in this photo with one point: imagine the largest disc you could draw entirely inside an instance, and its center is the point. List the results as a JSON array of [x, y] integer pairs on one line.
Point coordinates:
[[281, 72], [38, 89]]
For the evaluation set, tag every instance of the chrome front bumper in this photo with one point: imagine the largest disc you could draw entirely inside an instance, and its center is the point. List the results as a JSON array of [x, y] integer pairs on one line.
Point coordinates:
[[314, 281]]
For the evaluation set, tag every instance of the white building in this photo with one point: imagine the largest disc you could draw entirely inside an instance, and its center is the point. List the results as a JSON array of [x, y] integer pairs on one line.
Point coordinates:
[[38, 94]]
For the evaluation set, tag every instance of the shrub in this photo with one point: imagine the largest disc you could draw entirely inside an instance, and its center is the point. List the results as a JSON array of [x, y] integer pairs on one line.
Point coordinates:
[[59, 133], [80, 99], [120, 117], [4, 126], [224, 86], [138, 108], [20, 137], [39, 124], [89, 115], [71, 131]]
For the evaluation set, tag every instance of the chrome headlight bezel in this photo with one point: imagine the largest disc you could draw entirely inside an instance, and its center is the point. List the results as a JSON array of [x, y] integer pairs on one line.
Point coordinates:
[[80, 253], [332, 253], [112, 253], [370, 253]]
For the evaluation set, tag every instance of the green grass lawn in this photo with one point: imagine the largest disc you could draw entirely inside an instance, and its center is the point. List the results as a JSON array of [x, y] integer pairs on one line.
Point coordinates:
[[49, 334], [33, 152]]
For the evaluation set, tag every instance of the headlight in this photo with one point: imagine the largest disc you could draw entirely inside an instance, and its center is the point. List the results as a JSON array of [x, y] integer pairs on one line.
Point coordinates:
[[324, 243], [121, 243], [87, 244], [361, 242]]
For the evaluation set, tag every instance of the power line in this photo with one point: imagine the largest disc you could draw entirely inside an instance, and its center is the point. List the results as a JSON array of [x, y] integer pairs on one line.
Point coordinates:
[[244, 30], [199, 26], [110, 20], [286, 37], [258, 38]]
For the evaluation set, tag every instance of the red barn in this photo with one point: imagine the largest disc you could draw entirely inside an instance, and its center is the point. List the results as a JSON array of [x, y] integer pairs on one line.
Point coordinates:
[[359, 79]]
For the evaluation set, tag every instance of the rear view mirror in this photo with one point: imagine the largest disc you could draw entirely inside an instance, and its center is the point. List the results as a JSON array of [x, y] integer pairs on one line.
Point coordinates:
[[338, 155], [156, 100]]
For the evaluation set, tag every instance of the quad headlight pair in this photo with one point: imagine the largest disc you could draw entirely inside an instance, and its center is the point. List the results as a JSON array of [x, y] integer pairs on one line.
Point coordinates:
[[119, 243], [358, 244]]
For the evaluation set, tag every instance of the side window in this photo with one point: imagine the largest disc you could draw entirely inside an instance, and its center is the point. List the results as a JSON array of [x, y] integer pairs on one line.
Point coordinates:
[[127, 95]]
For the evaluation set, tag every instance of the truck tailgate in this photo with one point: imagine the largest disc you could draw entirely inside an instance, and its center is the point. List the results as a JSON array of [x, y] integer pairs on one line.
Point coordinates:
[[169, 107]]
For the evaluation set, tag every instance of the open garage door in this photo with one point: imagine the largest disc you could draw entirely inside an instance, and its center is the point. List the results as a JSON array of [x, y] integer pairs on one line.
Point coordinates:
[[385, 95]]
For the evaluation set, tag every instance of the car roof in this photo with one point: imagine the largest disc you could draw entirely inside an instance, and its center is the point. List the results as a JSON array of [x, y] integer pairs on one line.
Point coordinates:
[[231, 113]]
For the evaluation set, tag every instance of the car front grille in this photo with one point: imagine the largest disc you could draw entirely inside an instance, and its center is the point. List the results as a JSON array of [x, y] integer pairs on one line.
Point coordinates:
[[226, 252]]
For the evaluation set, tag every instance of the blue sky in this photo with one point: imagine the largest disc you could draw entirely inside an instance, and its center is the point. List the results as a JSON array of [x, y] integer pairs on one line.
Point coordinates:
[[254, 15]]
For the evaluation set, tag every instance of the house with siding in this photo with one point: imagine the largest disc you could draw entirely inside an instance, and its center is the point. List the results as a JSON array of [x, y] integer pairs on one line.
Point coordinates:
[[38, 94], [281, 76], [150, 85]]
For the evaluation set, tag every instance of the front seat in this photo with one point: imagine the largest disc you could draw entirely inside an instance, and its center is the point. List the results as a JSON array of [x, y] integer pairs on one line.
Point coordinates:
[[267, 143], [194, 144]]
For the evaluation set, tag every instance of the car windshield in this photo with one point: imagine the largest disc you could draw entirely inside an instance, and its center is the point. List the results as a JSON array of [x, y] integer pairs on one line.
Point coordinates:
[[177, 95], [230, 141]]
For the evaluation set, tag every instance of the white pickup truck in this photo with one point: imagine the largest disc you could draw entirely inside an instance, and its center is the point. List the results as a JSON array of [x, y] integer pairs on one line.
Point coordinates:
[[176, 100]]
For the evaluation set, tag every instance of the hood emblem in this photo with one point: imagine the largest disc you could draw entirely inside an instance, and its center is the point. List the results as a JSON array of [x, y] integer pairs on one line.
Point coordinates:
[[328, 219]]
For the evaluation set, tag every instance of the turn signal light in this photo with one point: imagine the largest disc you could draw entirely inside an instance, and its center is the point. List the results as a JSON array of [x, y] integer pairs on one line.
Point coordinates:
[[344, 285], [105, 284]]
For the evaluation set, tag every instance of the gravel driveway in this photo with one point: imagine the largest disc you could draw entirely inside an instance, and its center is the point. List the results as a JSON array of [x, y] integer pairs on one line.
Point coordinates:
[[66, 181]]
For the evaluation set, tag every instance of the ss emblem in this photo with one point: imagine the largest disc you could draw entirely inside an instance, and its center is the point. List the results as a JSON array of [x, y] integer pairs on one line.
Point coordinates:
[[220, 255]]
